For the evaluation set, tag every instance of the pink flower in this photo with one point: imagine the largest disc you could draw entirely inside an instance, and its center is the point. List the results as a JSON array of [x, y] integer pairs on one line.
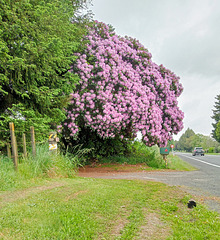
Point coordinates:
[[122, 91]]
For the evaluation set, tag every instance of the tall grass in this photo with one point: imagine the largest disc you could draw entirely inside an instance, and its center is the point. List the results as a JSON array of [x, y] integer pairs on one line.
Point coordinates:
[[139, 153], [33, 168], [150, 155], [7, 173]]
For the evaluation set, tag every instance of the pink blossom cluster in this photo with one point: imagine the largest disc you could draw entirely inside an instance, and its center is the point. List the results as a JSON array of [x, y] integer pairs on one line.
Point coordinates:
[[122, 92]]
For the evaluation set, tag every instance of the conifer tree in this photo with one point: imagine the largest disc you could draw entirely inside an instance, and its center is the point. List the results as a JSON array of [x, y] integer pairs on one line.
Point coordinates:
[[38, 39], [216, 117]]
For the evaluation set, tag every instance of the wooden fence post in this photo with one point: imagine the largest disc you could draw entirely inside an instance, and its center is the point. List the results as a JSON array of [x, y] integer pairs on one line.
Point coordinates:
[[8, 150], [13, 145], [24, 145], [33, 142]]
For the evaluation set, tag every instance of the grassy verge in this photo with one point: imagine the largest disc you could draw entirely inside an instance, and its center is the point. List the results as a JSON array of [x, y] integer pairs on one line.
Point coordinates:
[[175, 163], [212, 153], [33, 170], [104, 209], [148, 156]]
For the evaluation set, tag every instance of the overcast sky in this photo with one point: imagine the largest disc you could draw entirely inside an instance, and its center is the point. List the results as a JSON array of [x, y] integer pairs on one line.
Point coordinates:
[[184, 36]]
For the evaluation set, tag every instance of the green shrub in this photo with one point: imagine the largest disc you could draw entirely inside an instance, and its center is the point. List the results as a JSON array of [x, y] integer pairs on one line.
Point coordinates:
[[103, 147], [211, 150], [217, 149], [138, 153]]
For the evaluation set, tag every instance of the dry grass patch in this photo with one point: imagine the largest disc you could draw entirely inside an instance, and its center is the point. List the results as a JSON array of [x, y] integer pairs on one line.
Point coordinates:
[[74, 195], [118, 228], [154, 228], [121, 222]]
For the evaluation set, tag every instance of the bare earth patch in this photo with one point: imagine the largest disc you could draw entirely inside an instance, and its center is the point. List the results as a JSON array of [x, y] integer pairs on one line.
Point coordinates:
[[100, 170], [74, 195], [154, 228], [121, 222]]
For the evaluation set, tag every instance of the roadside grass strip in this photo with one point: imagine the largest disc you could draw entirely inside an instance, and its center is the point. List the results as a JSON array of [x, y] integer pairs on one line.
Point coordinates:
[[86, 208]]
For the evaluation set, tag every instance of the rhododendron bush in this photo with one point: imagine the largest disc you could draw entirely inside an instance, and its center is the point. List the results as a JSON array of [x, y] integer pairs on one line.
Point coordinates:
[[122, 92]]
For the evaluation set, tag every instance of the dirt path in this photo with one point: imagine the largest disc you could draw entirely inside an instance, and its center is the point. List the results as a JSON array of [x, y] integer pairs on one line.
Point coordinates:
[[116, 170], [5, 198]]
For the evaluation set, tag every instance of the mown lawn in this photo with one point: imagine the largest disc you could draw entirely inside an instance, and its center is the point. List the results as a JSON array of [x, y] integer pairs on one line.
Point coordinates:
[[86, 208]]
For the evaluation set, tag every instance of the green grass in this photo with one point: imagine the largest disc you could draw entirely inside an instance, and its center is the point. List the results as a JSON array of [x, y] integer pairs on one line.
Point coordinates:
[[85, 208], [44, 199], [46, 165], [212, 153], [175, 163]]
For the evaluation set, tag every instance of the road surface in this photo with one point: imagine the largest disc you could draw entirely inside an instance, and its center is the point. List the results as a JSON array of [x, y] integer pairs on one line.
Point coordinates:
[[207, 177]]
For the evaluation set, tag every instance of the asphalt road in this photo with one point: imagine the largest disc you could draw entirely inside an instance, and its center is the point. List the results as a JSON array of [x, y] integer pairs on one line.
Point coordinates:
[[207, 177]]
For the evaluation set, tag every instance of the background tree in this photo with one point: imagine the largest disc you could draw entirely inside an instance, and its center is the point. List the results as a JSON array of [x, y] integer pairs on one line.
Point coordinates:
[[185, 141], [198, 140], [216, 117], [189, 140], [121, 92], [217, 131], [37, 44]]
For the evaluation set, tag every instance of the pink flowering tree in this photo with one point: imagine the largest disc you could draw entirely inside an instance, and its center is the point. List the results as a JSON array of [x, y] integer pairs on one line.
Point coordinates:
[[122, 92]]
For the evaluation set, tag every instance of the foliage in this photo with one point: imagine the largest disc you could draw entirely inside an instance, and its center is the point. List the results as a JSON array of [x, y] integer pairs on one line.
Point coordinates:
[[23, 123], [99, 146], [37, 42], [185, 141], [150, 157], [137, 153], [216, 117], [211, 150], [122, 91], [217, 131], [189, 140]]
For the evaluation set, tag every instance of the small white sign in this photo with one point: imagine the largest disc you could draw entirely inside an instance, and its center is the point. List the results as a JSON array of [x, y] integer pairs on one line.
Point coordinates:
[[53, 146]]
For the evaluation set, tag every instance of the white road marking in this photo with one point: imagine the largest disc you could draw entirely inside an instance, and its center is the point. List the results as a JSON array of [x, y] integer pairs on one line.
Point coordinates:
[[203, 162]]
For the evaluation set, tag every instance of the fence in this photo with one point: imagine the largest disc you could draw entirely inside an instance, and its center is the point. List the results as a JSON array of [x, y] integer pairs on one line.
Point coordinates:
[[18, 140], [12, 147]]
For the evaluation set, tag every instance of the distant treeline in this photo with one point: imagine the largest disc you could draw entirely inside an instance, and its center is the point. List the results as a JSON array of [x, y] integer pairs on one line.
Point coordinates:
[[190, 139]]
